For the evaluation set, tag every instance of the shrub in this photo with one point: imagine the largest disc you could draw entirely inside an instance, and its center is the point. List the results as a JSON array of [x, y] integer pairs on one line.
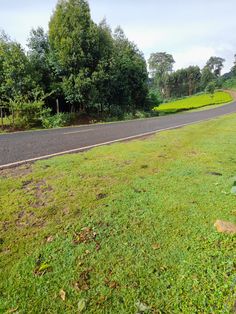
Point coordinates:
[[210, 89], [55, 121], [26, 113], [230, 83], [153, 99], [128, 116]]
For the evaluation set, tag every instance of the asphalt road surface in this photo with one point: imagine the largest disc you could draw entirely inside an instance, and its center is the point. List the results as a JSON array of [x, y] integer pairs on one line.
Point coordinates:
[[17, 148]]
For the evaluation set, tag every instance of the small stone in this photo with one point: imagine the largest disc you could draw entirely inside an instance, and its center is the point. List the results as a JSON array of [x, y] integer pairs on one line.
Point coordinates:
[[233, 190], [62, 294], [142, 307], [225, 226], [50, 239]]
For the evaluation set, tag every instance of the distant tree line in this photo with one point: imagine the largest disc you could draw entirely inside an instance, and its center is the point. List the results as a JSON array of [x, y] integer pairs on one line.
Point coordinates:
[[183, 82]]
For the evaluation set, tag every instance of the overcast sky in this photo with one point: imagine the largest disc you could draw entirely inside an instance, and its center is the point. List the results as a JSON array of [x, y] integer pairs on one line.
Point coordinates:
[[191, 30]]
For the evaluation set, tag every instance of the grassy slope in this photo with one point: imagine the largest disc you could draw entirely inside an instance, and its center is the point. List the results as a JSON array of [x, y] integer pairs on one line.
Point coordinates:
[[149, 207], [195, 102]]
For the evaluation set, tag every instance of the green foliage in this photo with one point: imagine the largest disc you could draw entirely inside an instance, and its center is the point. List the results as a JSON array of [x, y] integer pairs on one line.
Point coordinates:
[[26, 114], [230, 83], [15, 78], [160, 65], [207, 77], [194, 102], [183, 82], [39, 58], [85, 68], [129, 75], [97, 70], [215, 65], [154, 99], [233, 70], [210, 89], [78, 64], [148, 242], [75, 47], [57, 120]]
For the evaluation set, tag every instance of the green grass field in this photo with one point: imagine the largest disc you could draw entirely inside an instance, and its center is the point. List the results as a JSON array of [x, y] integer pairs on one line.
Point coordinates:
[[194, 102], [126, 228]]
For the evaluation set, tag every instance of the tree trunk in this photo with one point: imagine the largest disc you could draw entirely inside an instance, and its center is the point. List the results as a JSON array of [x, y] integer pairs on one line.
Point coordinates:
[[58, 107], [1, 116]]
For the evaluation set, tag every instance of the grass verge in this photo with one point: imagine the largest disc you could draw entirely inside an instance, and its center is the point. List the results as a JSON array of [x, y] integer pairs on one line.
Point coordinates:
[[194, 102], [126, 228]]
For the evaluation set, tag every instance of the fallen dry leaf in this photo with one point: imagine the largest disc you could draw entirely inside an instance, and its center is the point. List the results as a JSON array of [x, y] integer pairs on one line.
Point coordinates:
[[50, 239], [83, 283], [111, 284], [101, 300], [98, 246], [156, 246], [81, 305], [62, 295], [12, 310], [86, 235]]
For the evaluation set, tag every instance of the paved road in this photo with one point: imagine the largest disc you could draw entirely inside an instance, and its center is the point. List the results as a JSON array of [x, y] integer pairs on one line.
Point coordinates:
[[22, 146]]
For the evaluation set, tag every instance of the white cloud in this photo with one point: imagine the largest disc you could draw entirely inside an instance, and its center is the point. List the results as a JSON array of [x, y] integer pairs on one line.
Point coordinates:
[[145, 39], [190, 30], [193, 56]]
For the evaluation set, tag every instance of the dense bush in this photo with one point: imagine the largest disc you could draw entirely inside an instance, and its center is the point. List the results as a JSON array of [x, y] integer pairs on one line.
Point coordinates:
[[230, 84], [57, 120], [25, 114], [210, 89]]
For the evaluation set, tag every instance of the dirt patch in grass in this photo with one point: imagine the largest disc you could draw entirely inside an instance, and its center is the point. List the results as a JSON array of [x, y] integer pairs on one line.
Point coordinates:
[[28, 219], [17, 172]]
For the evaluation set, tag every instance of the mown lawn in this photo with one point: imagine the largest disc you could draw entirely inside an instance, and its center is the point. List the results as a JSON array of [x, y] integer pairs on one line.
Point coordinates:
[[194, 102], [126, 228]]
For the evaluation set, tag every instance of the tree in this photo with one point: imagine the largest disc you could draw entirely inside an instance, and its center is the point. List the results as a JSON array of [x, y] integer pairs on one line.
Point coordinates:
[[128, 75], [15, 77], [210, 89], [73, 37], [183, 82], [207, 77], [102, 76], [193, 79], [233, 70], [38, 55], [160, 65], [215, 64]]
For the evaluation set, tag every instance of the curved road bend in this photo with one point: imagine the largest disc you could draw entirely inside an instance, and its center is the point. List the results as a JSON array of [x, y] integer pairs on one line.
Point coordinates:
[[25, 146]]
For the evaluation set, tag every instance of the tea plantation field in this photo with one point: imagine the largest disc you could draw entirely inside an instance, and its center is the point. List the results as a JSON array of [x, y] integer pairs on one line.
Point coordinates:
[[195, 102]]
